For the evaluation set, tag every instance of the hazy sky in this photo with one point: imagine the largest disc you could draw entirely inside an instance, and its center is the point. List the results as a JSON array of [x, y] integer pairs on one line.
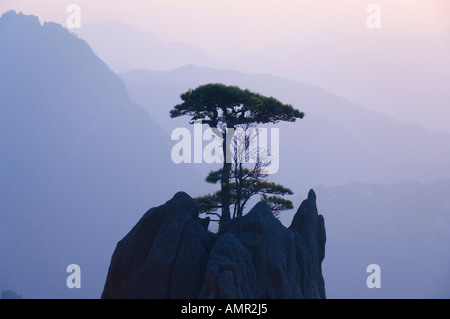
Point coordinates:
[[232, 27]]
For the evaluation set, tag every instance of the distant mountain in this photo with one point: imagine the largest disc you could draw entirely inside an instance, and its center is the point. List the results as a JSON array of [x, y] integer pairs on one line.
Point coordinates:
[[403, 77], [336, 143], [125, 48], [79, 161], [401, 225]]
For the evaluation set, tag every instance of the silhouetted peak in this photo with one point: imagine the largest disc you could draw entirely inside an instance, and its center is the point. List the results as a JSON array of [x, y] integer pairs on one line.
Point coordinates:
[[312, 195], [49, 51], [20, 21], [169, 254], [182, 201], [261, 208], [258, 220], [12, 17], [307, 213]]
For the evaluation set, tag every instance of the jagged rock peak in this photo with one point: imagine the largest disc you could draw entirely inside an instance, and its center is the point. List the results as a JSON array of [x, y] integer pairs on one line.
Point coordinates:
[[171, 254]]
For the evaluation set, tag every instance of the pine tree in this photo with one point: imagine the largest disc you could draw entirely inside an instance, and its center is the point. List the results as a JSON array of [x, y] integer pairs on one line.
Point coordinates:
[[229, 107]]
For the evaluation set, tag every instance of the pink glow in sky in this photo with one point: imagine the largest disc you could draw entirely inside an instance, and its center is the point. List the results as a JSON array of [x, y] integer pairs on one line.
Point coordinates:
[[217, 25]]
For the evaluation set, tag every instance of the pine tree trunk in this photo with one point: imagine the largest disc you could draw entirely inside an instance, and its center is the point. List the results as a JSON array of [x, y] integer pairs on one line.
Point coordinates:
[[225, 182]]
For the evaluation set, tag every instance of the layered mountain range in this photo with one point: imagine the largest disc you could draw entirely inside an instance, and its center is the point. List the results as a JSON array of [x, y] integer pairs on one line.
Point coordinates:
[[78, 160], [85, 151]]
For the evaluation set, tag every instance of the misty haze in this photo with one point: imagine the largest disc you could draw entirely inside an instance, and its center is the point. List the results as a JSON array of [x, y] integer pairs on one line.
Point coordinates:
[[86, 167]]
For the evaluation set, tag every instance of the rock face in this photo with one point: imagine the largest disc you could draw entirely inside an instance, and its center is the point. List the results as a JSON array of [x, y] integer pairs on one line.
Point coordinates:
[[310, 241], [170, 253]]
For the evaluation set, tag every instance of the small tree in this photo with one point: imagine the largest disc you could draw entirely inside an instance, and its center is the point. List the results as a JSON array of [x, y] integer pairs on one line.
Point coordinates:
[[246, 182], [229, 107]]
